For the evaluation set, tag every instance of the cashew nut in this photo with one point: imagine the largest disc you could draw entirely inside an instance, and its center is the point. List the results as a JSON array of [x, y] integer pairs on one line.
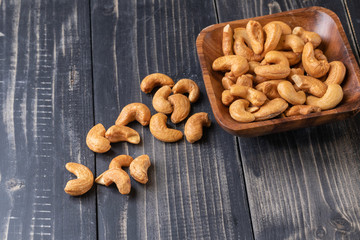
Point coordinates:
[[252, 66], [160, 131], [314, 67], [287, 92], [259, 79], [241, 43], [194, 126], [269, 88], [333, 96], [273, 34], [237, 65], [96, 140], [245, 80], [307, 36], [256, 97], [122, 133], [310, 85], [285, 29], [134, 111], [187, 86], [160, 100], [301, 110], [291, 42], [256, 36], [319, 55], [227, 98], [293, 58], [138, 168], [227, 41], [84, 181], [117, 176], [271, 109], [293, 71], [117, 162], [238, 111], [226, 82], [153, 80], [336, 73], [181, 106], [280, 68]]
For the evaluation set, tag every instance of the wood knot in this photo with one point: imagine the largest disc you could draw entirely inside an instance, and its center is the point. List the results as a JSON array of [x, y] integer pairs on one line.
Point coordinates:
[[14, 184], [320, 232], [341, 224]]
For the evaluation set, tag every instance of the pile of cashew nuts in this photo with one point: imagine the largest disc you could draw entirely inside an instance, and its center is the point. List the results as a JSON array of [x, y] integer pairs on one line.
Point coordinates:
[[275, 71], [99, 139]]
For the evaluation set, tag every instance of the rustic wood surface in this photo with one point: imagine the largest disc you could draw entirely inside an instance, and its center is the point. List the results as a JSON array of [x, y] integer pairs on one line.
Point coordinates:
[[66, 65]]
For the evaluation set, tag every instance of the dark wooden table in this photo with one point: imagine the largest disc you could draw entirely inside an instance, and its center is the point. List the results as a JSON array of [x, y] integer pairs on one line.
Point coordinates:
[[68, 64]]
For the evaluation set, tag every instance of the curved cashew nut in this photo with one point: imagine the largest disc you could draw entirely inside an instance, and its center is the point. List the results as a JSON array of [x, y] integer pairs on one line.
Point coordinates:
[[122, 133], [187, 86], [84, 181], [285, 29], [293, 58], [245, 80], [301, 110], [280, 68], [119, 177], [336, 73], [238, 111], [291, 42], [273, 34], [260, 79], [138, 168], [287, 92], [134, 111], [160, 100], [319, 55], [153, 80], [310, 85], [237, 65], [254, 96], [96, 140], [252, 66], [227, 98], [160, 131], [314, 67], [271, 109], [181, 106], [194, 126], [269, 88], [227, 40], [307, 36], [226, 82], [241, 43], [256, 36], [293, 71], [333, 96], [117, 162]]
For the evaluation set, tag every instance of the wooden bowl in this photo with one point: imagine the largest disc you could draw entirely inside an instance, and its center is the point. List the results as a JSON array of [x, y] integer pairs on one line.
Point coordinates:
[[335, 46]]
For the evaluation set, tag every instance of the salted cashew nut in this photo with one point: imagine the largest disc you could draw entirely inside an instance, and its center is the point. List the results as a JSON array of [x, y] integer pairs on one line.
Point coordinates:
[[333, 96], [160, 100], [139, 167], [293, 58], [241, 43], [227, 82], [307, 36], [134, 111], [187, 86], [269, 88], [256, 36], [291, 42], [259, 79], [154, 80], [273, 33], [336, 73], [83, 182], [181, 106], [254, 96], [117, 162], [238, 111], [252, 66], [319, 55], [271, 109], [227, 98], [287, 92], [285, 28], [301, 110], [227, 40], [314, 67], [118, 133], [237, 65], [160, 131], [245, 80], [96, 140], [278, 70], [293, 71], [310, 85], [194, 126]]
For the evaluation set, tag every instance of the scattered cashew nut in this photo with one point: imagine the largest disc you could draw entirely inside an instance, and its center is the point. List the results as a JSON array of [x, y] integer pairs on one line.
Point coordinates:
[[84, 181], [138, 168], [187, 86], [194, 126], [238, 111], [333, 96], [160, 131], [96, 140], [154, 80], [118, 133], [134, 111], [181, 106], [160, 100]]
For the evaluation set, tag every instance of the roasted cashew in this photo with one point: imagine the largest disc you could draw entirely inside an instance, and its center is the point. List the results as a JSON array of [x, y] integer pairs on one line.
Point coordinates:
[[122, 133], [319, 55], [117, 176], [314, 67], [241, 43], [160, 131], [96, 140], [273, 33], [134, 111], [84, 181], [310, 85], [254, 96], [301, 110], [181, 106], [293, 71], [252, 66], [280, 68], [226, 82], [293, 58], [269, 88], [187, 86], [227, 98], [153, 80], [238, 111], [336, 73], [138, 168], [227, 40], [256, 36], [160, 100], [287, 92], [194, 126], [291, 42], [237, 65], [245, 80], [271, 109], [307, 36], [333, 96], [285, 29], [259, 79]]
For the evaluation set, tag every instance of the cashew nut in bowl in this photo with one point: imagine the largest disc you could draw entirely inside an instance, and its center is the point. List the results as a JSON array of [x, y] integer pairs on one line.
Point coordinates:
[[122, 133], [292, 57], [319, 55], [154, 80], [237, 65], [117, 176], [295, 71], [181, 106], [280, 68], [287, 92], [134, 111], [285, 29], [301, 110], [245, 80], [138, 168], [252, 66], [291, 42], [96, 140], [226, 82], [84, 181], [241, 43], [227, 41], [238, 111], [314, 67], [273, 34], [259, 79], [336, 73], [254, 96], [271, 109], [160, 100], [227, 98], [160, 131], [269, 88], [256, 36], [307, 36], [194, 126], [310, 85], [187, 86], [333, 96]]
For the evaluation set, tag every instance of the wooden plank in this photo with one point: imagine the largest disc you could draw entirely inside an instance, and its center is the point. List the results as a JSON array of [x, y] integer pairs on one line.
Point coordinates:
[[46, 110], [354, 19], [301, 184], [196, 190]]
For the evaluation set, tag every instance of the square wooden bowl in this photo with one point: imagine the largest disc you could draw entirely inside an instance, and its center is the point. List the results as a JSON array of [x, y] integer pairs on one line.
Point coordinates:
[[335, 46]]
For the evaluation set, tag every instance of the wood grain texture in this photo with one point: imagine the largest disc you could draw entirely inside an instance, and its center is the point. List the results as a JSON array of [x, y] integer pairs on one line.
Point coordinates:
[[45, 111], [352, 7], [195, 191], [301, 184]]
